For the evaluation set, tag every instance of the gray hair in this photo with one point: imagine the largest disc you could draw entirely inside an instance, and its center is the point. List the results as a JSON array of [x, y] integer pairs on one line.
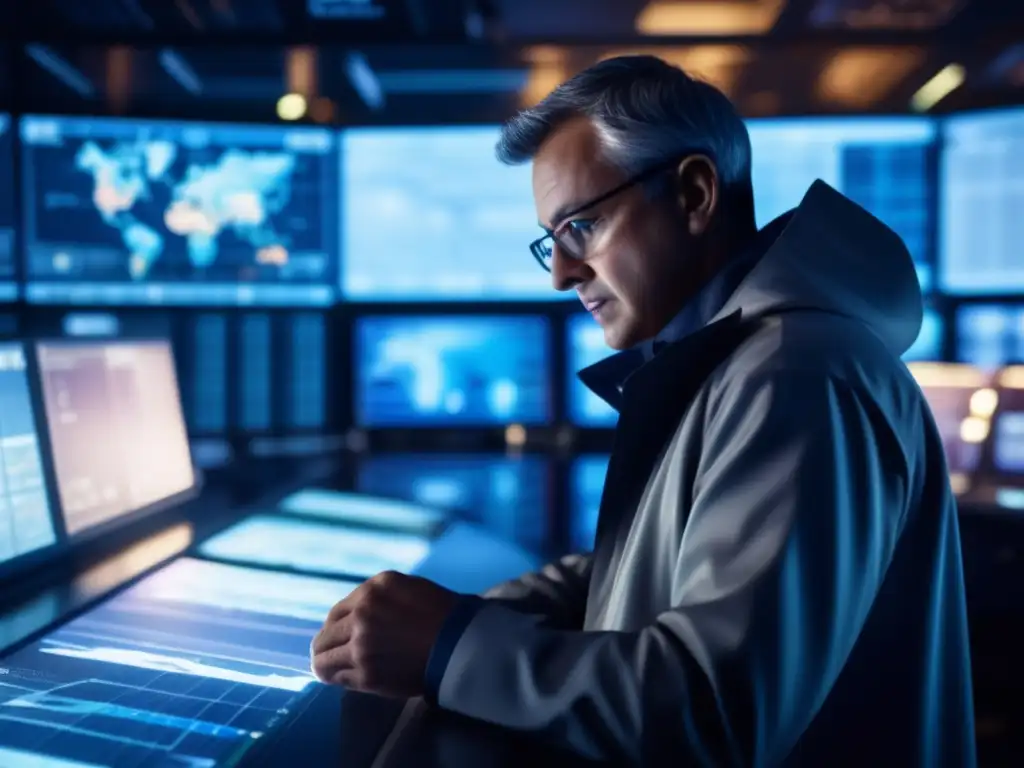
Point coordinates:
[[646, 112]]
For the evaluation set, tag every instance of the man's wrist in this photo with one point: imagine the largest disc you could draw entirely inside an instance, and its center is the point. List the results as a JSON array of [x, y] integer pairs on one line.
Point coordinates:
[[447, 638]]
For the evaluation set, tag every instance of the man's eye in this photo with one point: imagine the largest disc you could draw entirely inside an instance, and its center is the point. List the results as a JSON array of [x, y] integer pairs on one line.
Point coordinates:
[[580, 227]]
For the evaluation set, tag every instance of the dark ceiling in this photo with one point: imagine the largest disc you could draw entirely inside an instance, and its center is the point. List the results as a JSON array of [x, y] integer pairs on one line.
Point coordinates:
[[422, 61]]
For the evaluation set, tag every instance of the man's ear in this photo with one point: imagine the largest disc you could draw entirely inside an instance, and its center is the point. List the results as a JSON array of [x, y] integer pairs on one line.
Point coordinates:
[[697, 192]]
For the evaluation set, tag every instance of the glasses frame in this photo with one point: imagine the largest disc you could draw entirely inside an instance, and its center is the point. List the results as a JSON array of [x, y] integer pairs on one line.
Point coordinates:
[[539, 246]]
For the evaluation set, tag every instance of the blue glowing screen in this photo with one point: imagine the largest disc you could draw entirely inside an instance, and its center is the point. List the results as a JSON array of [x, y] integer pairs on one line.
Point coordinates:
[[880, 163], [507, 495], [585, 347], [928, 345], [190, 667], [139, 212], [452, 371], [8, 287], [990, 335], [1008, 434], [26, 521], [362, 509], [431, 215], [312, 547], [982, 198], [586, 487]]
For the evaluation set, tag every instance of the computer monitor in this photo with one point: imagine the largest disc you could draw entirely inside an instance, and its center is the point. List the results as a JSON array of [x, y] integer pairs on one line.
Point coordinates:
[[585, 347], [319, 548], [452, 371], [928, 345], [882, 163], [8, 284], [958, 397], [508, 495], [990, 335], [586, 486], [982, 230], [1008, 431], [116, 429], [429, 214], [121, 211], [193, 665], [362, 509], [26, 520]]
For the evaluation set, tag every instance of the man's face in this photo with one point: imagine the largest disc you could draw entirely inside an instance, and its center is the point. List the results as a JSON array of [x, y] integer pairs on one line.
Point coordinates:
[[643, 256]]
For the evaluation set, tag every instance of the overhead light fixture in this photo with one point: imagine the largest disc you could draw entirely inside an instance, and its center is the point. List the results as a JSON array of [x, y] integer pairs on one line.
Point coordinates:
[[364, 80], [61, 70], [718, 65], [736, 17], [291, 106], [943, 83], [860, 78]]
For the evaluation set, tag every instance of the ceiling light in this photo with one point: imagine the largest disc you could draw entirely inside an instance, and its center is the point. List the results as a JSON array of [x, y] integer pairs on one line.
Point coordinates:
[[291, 106], [945, 81]]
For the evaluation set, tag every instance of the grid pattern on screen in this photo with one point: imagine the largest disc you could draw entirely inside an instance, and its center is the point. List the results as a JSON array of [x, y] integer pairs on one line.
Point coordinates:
[[990, 335], [982, 183], [307, 403], [254, 383], [209, 410]]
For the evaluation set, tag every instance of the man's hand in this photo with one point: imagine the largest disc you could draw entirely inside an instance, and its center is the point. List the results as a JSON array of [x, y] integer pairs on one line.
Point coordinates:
[[379, 638]]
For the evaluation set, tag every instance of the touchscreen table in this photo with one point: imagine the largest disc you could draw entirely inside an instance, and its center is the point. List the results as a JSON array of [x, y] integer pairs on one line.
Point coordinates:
[[360, 509], [316, 548], [190, 667]]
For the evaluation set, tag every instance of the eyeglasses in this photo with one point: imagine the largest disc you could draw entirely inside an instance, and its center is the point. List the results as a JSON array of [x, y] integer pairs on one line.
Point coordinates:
[[573, 235]]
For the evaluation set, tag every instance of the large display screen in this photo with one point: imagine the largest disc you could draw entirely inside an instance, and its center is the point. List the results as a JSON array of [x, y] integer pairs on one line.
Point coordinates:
[[952, 395], [982, 231], [429, 214], [190, 667], [311, 547], [116, 428], [140, 212], [361, 509], [8, 286], [881, 163], [507, 495], [452, 371], [585, 347], [990, 335], [586, 487], [26, 522], [928, 345]]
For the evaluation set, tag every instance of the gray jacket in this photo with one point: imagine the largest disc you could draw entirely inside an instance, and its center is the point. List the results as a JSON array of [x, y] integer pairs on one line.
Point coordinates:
[[777, 575]]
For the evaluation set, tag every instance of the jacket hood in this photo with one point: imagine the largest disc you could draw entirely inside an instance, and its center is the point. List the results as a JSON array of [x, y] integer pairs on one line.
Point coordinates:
[[834, 256]]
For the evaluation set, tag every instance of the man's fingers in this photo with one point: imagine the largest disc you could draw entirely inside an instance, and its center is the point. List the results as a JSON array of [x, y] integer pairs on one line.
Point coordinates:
[[332, 635], [327, 665], [343, 607]]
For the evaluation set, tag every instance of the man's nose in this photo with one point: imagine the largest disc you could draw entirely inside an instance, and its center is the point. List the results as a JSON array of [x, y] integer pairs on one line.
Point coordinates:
[[567, 272]]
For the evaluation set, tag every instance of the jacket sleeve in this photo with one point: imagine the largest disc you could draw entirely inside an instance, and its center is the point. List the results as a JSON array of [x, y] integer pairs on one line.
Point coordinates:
[[558, 592], [798, 501]]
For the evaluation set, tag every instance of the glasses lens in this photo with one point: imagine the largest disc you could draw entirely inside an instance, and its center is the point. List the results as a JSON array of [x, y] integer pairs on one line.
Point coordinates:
[[543, 251]]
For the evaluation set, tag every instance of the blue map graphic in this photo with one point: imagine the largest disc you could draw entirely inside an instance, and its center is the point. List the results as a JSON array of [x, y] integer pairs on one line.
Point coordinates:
[[126, 211], [237, 191]]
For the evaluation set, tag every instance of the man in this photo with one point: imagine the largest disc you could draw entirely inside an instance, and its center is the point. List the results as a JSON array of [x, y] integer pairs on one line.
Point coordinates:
[[777, 575]]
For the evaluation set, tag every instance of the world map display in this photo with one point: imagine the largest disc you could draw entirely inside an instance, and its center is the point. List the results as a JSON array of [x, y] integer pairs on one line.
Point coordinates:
[[172, 212], [239, 191]]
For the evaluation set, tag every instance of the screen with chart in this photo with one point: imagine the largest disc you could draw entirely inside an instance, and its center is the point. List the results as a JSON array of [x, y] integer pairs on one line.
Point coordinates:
[[585, 347], [990, 335], [362, 509], [190, 667], [982, 230], [8, 286], [452, 371], [586, 487], [26, 522], [116, 428], [429, 214], [142, 212], [881, 163], [952, 395], [508, 495], [311, 547], [928, 345]]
